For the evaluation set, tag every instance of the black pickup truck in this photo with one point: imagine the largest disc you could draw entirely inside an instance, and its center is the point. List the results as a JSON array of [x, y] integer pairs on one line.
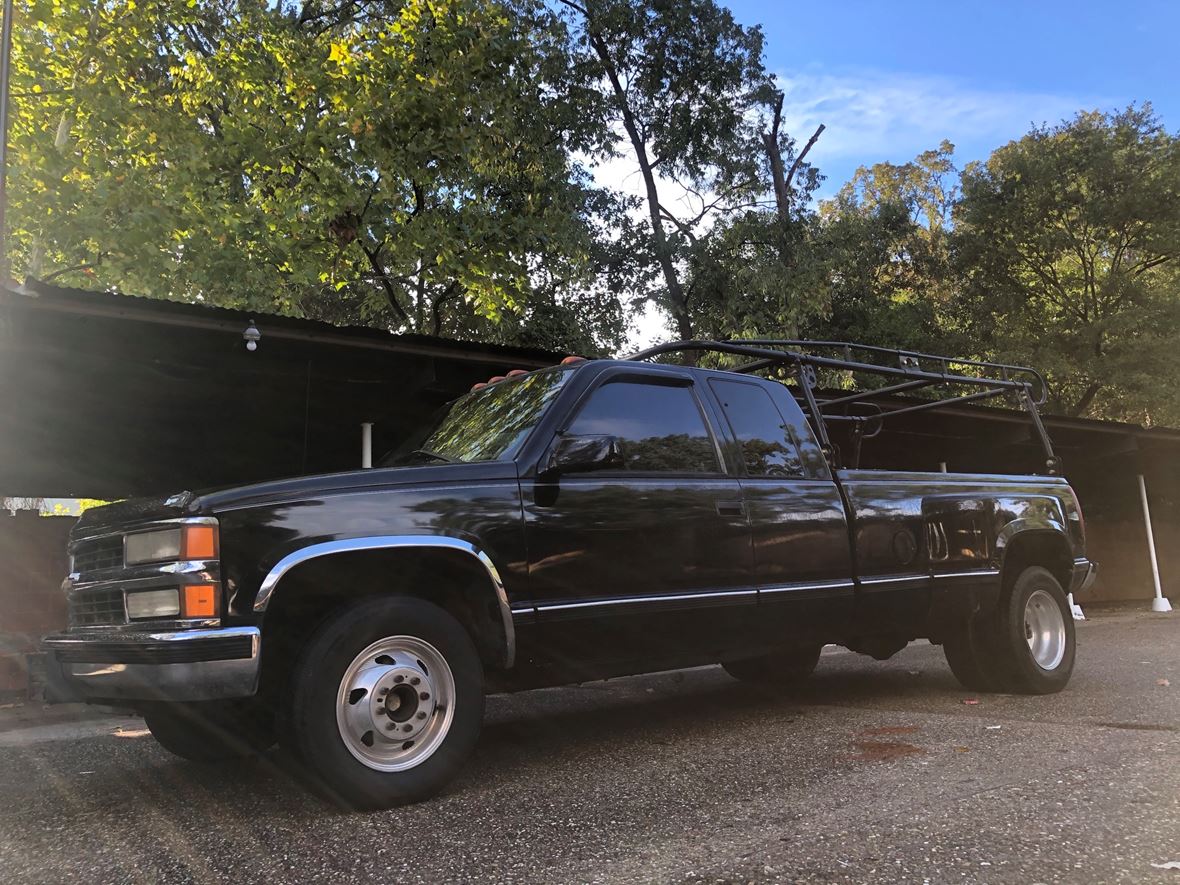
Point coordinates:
[[593, 519]]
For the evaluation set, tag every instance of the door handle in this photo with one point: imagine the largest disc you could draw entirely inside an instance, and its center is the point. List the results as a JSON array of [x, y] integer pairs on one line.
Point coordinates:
[[731, 508]]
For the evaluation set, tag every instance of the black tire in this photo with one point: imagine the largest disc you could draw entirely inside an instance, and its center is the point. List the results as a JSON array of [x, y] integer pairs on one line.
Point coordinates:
[[970, 651], [780, 668], [993, 653], [316, 687], [1018, 669], [211, 731]]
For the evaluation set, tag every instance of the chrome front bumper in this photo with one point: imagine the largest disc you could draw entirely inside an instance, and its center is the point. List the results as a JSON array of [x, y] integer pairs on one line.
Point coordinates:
[[185, 665], [1084, 573]]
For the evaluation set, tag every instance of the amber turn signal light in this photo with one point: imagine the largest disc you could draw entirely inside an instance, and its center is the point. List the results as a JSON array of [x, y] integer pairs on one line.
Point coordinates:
[[200, 601], [199, 542]]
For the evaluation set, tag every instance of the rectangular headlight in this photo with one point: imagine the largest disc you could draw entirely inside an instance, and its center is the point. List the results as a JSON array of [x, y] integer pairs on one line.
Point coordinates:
[[153, 604], [157, 546]]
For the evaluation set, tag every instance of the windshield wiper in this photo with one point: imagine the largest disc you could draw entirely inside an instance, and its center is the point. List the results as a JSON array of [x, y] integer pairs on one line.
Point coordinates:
[[435, 455]]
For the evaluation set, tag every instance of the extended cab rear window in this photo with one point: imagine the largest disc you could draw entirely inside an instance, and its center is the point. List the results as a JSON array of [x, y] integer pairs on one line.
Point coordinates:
[[767, 447]]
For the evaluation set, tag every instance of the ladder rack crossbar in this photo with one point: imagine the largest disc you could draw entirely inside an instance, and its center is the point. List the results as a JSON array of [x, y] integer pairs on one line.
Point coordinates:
[[912, 373]]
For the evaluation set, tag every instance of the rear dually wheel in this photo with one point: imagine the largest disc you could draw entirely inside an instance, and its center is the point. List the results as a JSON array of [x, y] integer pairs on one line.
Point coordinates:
[[1026, 646]]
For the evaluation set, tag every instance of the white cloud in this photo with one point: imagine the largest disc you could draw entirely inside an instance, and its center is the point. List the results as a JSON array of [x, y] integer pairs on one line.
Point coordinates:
[[874, 116]]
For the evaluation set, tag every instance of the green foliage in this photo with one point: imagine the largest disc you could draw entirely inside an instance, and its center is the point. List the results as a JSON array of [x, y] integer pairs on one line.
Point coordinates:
[[926, 188], [416, 165], [885, 239], [1066, 246], [870, 266], [679, 85], [406, 164], [759, 276]]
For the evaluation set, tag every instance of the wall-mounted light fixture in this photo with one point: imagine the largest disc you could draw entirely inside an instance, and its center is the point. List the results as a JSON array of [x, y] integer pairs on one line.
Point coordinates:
[[251, 336]]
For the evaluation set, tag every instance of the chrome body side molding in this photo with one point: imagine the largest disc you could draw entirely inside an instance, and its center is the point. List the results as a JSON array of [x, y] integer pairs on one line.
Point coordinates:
[[738, 596], [388, 542], [633, 600], [974, 573]]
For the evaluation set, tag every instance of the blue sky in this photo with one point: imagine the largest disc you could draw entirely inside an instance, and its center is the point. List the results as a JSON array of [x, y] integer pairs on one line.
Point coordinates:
[[890, 79]]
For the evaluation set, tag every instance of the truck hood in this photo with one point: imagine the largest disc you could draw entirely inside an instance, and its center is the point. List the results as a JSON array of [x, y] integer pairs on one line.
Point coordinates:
[[139, 510]]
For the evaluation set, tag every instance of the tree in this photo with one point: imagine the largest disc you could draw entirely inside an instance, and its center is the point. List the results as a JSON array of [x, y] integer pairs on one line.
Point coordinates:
[[679, 83], [881, 281], [1067, 243], [926, 187], [886, 241], [758, 273], [406, 164]]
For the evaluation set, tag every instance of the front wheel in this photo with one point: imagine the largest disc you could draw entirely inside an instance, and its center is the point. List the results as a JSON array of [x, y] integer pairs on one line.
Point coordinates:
[[212, 731], [386, 703]]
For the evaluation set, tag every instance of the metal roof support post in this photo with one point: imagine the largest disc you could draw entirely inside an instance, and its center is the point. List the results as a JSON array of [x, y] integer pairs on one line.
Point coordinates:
[[367, 444], [1160, 602]]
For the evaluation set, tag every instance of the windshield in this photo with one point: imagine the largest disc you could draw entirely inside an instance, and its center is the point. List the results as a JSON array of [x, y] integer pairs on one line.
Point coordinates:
[[491, 423]]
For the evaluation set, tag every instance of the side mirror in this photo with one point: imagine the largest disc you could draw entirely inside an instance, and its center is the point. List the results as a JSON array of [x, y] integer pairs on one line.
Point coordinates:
[[582, 454]]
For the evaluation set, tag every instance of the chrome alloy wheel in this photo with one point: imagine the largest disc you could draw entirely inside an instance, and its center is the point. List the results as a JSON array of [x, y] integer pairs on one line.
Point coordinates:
[[1044, 628], [396, 703]]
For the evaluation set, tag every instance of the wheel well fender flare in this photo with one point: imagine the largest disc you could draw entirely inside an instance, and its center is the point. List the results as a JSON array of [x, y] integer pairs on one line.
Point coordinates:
[[388, 542], [1051, 538]]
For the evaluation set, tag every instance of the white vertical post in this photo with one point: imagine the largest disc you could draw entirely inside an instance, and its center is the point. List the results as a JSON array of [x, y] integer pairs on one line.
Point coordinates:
[[942, 466], [1160, 603], [367, 444]]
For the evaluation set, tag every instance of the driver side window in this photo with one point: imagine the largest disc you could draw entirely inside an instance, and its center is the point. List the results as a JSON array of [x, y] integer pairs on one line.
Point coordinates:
[[659, 426]]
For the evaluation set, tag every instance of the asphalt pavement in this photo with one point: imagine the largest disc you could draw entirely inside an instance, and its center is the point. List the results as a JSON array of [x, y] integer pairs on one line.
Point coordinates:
[[872, 772]]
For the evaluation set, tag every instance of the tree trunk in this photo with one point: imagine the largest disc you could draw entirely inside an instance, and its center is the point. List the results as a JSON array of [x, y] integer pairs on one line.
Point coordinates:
[[778, 175], [1085, 401], [677, 302]]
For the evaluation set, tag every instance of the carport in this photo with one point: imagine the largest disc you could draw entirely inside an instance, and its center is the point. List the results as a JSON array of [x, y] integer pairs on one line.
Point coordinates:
[[108, 396]]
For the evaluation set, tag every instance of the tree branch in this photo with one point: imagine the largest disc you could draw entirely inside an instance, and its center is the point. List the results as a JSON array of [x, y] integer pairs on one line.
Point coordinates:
[[374, 256], [436, 306], [807, 147], [576, 8], [66, 270], [676, 301], [1086, 399]]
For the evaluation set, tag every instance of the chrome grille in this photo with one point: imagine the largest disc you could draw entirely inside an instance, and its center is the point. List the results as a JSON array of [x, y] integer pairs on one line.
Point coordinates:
[[93, 608], [100, 553]]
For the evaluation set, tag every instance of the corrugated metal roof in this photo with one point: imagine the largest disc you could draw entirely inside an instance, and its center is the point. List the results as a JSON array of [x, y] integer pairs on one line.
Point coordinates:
[[34, 295]]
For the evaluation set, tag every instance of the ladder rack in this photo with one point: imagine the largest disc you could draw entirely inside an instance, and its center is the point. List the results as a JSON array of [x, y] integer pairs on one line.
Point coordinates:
[[909, 371]]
